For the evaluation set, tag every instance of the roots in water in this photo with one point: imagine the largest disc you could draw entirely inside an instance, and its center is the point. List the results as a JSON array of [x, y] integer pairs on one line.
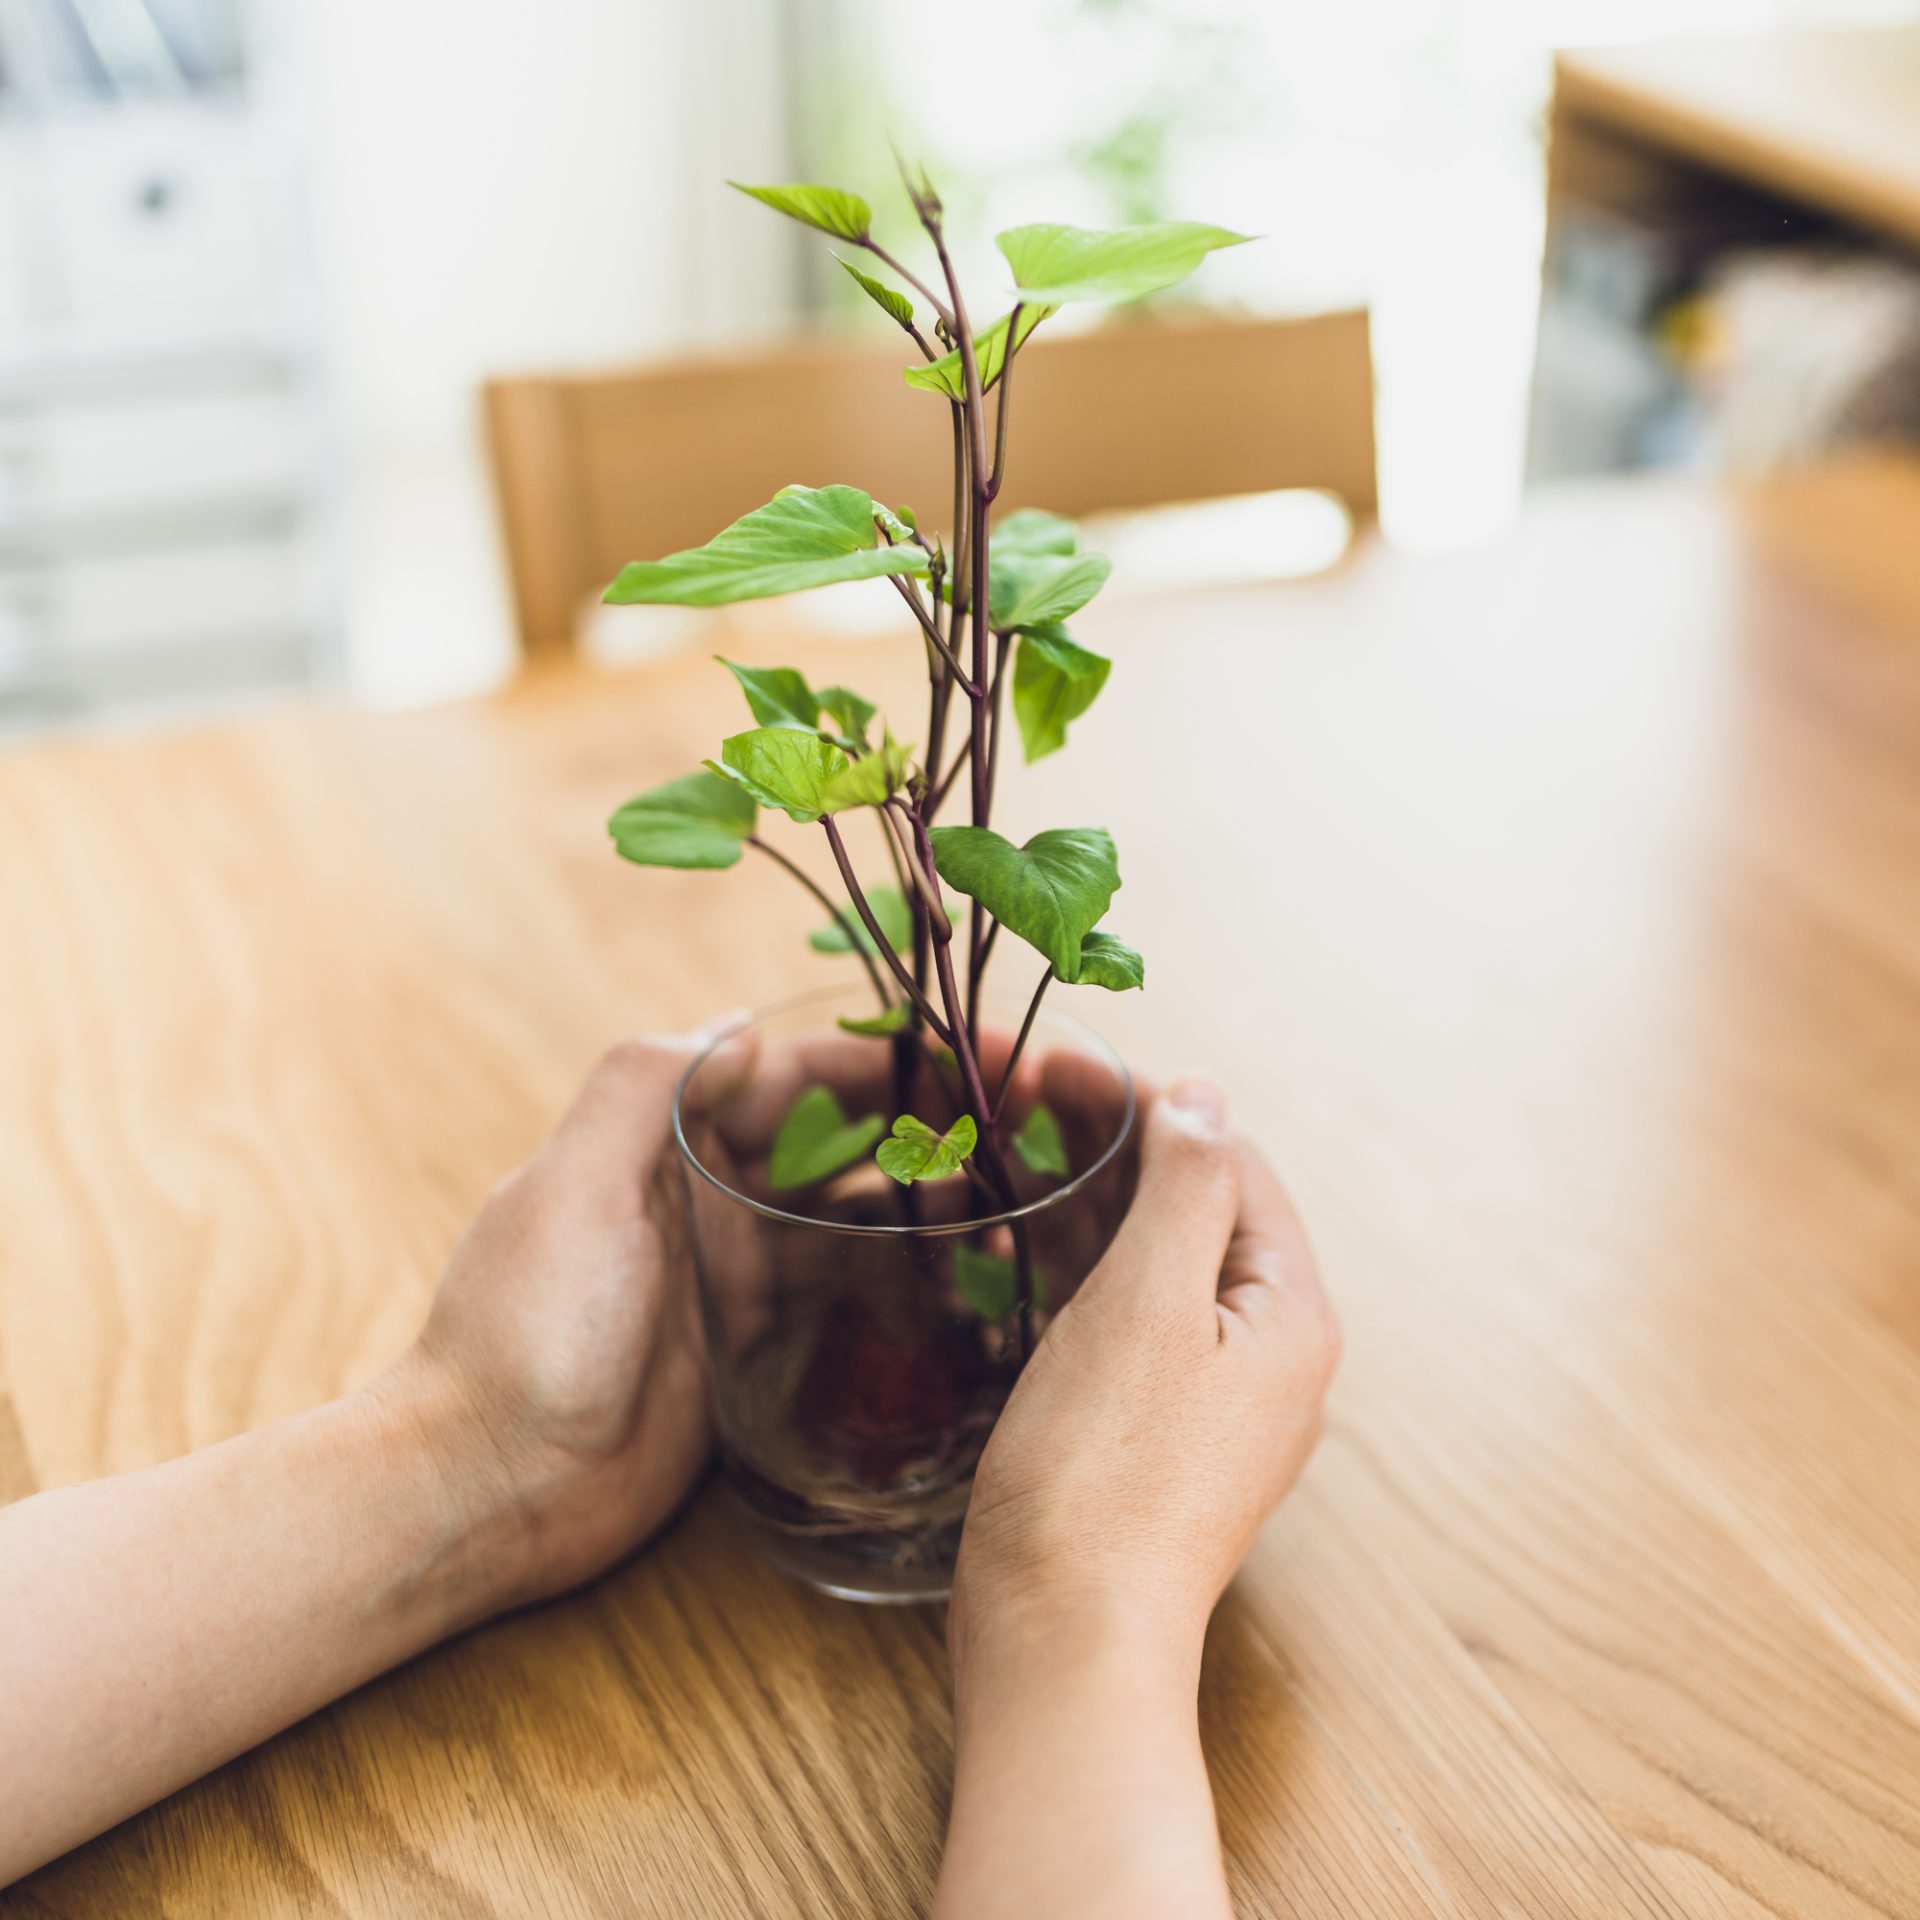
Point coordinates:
[[860, 1435]]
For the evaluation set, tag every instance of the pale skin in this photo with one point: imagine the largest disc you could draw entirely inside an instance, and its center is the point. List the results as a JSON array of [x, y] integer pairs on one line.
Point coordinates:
[[552, 1415]]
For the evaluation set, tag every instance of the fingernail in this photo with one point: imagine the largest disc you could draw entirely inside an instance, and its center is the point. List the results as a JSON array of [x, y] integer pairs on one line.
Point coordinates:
[[1201, 1098]]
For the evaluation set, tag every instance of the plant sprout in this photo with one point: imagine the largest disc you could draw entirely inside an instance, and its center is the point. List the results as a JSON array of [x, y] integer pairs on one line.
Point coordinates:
[[982, 598]]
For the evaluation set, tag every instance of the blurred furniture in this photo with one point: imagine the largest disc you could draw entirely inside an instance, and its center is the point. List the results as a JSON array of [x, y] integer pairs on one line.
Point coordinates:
[[1665, 160], [1826, 122], [1579, 1008], [161, 526], [593, 470], [163, 481]]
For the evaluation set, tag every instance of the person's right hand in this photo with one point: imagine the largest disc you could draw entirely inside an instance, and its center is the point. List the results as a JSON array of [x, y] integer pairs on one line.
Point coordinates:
[[1171, 1404]]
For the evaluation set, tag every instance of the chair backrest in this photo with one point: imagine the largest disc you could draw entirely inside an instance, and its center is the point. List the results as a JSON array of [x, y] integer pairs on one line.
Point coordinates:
[[596, 469]]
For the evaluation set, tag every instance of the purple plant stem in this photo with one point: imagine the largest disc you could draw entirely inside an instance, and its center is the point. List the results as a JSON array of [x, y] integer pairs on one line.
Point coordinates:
[[1019, 1045], [880, 940], [838, 913]]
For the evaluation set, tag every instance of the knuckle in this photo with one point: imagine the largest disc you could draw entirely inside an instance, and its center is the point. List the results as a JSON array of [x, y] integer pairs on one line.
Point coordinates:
[[1330, 1339], [637, 1066], [1259, 1260], [630, 1058]]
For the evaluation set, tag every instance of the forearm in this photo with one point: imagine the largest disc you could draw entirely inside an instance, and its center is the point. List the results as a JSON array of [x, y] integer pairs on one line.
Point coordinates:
[[1079, 1786], [156, 1624]]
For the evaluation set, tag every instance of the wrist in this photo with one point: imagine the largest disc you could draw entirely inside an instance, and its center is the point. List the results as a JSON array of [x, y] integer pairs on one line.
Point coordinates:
[[1088, 1708], [1042, 1636], [441, 1463]]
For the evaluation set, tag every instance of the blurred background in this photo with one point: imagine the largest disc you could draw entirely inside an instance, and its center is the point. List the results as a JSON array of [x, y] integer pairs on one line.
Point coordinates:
[[257, 258]]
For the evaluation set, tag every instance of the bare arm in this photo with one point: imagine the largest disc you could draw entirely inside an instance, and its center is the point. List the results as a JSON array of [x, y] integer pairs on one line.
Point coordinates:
[[158, 1623], [1170, 1406], [549, 1418]]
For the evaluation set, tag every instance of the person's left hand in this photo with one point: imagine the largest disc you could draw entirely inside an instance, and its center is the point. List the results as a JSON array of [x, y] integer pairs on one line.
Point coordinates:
[[559, 1376]]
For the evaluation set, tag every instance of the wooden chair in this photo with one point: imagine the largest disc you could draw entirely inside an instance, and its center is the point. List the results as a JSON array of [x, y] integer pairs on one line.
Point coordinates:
[[596, 469]]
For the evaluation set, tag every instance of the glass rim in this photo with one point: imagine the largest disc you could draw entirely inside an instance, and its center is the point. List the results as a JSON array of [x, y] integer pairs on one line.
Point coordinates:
[[946, 1229]]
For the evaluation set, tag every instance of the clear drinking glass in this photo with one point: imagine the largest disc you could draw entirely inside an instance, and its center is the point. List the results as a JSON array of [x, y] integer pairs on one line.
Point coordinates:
[[863, 1336]]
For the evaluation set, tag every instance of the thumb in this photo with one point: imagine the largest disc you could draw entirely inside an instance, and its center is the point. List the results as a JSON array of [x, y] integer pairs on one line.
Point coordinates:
[[1175, 1235], [622, 1116]]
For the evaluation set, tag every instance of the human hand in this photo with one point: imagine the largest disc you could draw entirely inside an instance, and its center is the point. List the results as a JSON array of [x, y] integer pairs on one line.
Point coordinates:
[[549, 1417], [1172, 1403], [560, 1384], [559, 1380]]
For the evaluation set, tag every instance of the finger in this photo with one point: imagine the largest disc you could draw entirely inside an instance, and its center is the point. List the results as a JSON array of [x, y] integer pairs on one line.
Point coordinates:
[[623, 1114], [1270, 1281], [1089, 1099], [1012, 1102], [1084, 1083], [859, 1070], [995, 1048], [1175, 1235], [727, 1070], [723, 1247]]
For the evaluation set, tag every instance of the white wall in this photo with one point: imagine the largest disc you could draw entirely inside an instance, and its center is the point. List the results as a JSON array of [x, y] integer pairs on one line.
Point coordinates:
[[495, 185]]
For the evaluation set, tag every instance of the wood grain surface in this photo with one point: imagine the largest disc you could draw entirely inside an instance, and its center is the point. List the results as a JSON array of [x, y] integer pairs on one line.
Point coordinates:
[[1554, 913]]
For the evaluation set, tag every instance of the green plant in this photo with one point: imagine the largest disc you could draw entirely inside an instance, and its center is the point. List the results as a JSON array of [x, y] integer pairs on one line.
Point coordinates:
[[982, 596]]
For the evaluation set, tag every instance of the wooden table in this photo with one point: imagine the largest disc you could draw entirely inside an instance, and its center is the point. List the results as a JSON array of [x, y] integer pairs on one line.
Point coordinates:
[[1554, 912]]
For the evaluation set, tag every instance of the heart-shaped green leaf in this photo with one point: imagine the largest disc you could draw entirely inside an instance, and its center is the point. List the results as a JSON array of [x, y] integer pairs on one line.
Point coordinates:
[[1054, 682], [946, 374], [782, 767], [803, 537], [1040, 1143], [916, 1152], [778, 696], [1027, 590], [877, 1025], [1109, 962], [816, 1140], [698, 821], [988, 1282], [1053, 264], [890, 909], [849, 711], [894, 304], [869, 781], [1051, 892], [1031, 531], [844, 215]]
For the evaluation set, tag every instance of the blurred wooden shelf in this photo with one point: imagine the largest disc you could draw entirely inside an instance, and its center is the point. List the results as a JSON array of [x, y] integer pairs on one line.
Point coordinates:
[[1829, 121], [1666, 161]]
